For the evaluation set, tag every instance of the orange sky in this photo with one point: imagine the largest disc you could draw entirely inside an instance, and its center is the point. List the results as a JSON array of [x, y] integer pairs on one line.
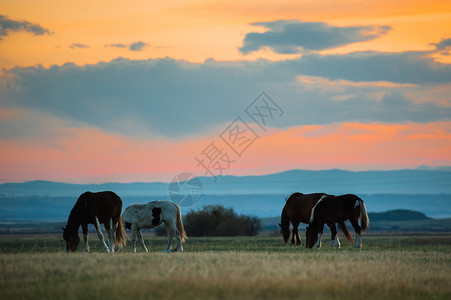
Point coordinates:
[[95, 156], [198, 30]]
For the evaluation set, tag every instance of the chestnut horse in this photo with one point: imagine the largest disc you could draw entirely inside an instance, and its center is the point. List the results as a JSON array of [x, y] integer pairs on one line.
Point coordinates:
[[331, 209], [95, 208], [298, 208]]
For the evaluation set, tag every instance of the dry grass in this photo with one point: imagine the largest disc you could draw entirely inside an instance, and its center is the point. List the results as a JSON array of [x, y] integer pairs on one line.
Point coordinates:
[[403, 273]]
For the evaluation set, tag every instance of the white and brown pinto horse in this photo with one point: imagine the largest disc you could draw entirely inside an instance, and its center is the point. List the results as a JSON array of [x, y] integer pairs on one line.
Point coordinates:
[[152, 214], [95, 208], [332, 209]]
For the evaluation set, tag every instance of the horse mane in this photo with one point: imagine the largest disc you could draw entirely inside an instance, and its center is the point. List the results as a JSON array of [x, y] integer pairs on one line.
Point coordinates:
[[284, 220], [293, 196], [312, 216], [74, 220]]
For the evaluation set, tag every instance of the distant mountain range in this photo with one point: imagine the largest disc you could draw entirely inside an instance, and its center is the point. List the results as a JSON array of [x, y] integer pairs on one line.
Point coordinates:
[[424, 189], [416, 181]]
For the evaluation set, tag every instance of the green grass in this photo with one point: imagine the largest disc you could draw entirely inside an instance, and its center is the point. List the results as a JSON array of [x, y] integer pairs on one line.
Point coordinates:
[[387, 267]]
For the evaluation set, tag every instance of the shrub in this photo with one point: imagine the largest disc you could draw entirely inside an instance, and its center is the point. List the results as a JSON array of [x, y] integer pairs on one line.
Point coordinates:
[[216, 220]]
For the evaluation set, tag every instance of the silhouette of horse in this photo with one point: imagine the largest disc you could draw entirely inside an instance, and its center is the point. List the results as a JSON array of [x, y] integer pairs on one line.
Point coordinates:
[[152, 214], [297, 209], [95, 208], [330, 209]]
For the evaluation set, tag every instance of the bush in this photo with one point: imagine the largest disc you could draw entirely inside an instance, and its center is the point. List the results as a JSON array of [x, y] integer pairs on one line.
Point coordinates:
[[216, 220]]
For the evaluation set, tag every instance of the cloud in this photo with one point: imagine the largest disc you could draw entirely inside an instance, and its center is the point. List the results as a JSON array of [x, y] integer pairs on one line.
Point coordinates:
[[78, 46], [8, 26], [405, 67], [138, 46], [176, 99], [443, 44], [291, 36], [116, 45]]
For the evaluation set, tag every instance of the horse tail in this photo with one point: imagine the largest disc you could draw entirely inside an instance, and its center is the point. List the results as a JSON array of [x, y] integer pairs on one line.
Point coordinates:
[[179, 224], [120, 234], [345, 231], [364, 220]]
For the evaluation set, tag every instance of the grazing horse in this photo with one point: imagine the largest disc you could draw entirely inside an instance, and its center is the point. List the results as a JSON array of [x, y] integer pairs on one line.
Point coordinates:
[[331, 209], [298, 208], [152, 214], [95, 208]]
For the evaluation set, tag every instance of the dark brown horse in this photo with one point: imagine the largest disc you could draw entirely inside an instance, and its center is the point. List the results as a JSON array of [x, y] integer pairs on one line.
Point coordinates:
[[297, 209], [95, 208], [331, 209]]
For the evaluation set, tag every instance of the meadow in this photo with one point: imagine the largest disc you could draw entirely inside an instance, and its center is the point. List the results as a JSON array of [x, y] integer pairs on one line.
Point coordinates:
[[387, 267]]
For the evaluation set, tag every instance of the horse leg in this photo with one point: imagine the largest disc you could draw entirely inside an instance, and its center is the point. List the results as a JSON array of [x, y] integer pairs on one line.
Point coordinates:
[[177, 236], [84, 227], [171, 230], [293, 234], [355, 224], [113, 232], [100, 235], [141, 240], [320, 234], [134, 234], [110, 236], [296, 233], [334, 240], [298, 238]]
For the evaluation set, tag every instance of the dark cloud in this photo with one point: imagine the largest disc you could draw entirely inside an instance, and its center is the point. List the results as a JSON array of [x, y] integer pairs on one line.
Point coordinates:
[[8, 26], [78, 45], [138, 46], [444, 47], [443, 44], [407, 67], [392, 107], [290, 36], [177, 98], [117, 45]]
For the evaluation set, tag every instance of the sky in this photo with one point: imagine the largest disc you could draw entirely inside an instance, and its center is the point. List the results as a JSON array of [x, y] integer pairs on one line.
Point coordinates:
[[108, 91]]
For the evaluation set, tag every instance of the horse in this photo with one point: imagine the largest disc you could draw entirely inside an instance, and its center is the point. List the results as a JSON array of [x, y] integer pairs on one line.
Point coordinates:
[[152, 214], [331, 209], [95, 208], [297, 209]]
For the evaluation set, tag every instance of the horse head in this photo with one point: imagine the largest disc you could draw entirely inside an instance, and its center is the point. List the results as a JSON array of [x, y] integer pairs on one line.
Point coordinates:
[[285, 232], [71, 238], [311, 236]]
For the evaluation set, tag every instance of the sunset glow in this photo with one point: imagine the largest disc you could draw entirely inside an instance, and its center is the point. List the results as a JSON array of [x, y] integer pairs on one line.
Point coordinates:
[[99, 92]]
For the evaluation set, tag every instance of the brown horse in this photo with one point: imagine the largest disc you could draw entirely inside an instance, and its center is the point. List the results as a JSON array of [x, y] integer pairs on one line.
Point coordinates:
[[298, 208], [331, 209], [95, 208]]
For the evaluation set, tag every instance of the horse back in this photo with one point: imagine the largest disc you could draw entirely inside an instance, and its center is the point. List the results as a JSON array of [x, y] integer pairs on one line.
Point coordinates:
[[299, 206], [147, 215], [105, 206], [336, 208]]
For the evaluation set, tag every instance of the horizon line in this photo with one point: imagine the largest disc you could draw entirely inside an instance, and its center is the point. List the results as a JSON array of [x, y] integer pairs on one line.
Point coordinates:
[[419, 168]]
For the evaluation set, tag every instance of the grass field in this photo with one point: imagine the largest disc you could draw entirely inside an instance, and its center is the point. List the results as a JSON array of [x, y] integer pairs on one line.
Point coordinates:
[[387, 267]]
